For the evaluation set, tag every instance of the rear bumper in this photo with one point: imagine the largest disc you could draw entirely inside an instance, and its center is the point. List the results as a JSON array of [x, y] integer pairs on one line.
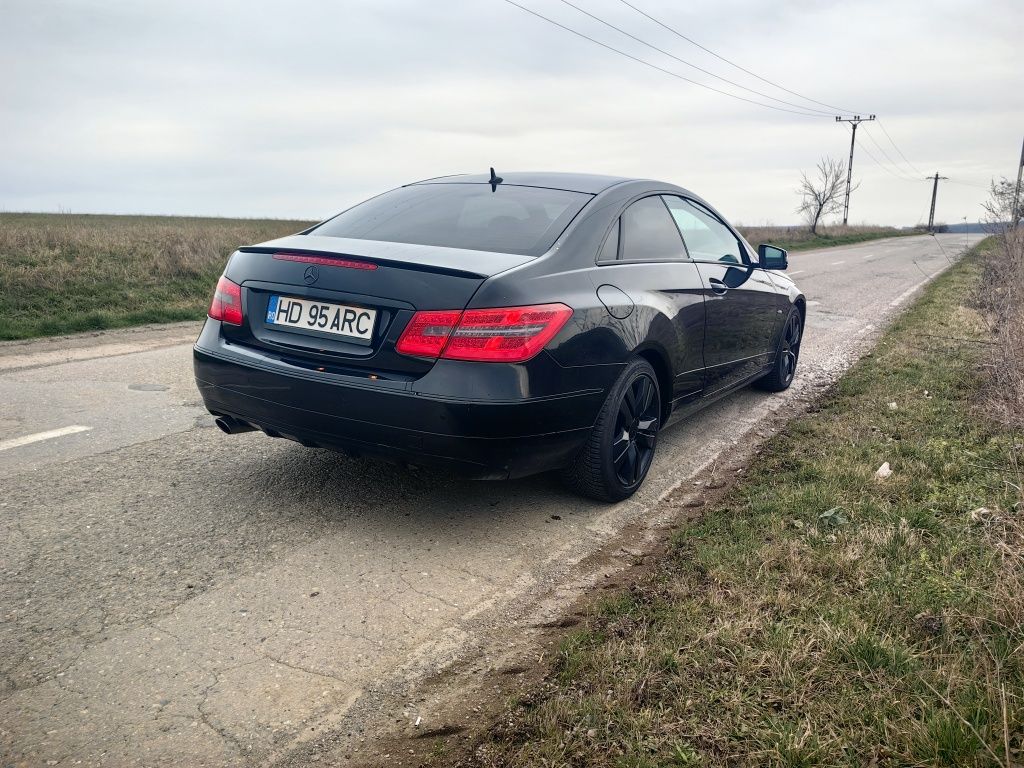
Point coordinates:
[[496, 433]]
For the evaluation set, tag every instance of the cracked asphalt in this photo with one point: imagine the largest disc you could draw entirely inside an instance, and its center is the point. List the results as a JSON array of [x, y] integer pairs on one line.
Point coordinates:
[[174, 596]]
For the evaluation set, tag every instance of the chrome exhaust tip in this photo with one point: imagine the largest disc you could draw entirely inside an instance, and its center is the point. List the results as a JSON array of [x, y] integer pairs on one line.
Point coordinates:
[[232, 426]]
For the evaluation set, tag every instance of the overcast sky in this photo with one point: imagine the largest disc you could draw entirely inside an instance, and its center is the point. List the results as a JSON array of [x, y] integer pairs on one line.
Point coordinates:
[[298, 109]]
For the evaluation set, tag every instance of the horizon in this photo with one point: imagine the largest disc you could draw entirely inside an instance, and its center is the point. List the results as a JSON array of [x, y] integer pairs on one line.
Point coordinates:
[[307, 220], [125, 110]]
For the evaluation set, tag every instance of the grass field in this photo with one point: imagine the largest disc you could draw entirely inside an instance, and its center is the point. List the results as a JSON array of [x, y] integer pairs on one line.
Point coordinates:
[[818, 615], [65, 273], [62, 273], [800, 239]]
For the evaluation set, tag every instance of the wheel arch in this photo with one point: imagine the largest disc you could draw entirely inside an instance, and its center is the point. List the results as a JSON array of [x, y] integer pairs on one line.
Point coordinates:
[[659, 362]]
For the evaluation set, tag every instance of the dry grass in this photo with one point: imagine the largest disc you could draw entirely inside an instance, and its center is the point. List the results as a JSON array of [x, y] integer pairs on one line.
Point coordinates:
[[800, 238], [67, 272], [1002, 305], [818, 616], [61, 273]]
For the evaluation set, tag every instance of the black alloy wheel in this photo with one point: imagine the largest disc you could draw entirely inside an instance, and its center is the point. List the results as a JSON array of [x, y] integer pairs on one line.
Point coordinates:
[[619, 453], [787, 357], [636, 430]]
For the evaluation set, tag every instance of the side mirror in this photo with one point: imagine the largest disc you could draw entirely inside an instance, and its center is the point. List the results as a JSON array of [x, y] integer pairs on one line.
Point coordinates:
[[771, 257]]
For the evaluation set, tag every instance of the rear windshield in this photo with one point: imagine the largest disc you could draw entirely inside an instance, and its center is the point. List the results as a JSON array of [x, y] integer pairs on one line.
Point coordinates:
[[520, 220]]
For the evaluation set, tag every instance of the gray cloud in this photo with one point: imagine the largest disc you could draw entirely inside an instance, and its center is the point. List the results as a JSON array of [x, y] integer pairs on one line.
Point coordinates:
[[300, 108]]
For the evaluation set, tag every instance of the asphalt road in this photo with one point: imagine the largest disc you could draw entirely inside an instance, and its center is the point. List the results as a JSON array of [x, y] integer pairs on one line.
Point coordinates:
[[172, 595]]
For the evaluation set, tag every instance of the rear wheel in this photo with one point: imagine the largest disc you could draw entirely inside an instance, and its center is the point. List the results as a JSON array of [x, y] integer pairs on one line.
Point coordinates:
[[620, 450], [786, 357]]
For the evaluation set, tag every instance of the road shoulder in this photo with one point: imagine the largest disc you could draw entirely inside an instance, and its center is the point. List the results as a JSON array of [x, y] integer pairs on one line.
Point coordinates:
[[793, 604], [54, 350]]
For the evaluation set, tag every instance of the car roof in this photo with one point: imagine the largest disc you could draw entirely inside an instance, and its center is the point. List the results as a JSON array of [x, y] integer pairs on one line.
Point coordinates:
[[589, 183]]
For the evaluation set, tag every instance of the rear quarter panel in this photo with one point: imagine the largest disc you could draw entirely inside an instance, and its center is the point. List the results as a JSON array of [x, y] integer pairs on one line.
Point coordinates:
[[664, 310]]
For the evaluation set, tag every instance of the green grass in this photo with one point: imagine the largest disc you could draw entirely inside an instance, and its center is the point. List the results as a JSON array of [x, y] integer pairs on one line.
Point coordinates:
[[61, 273], [818, 616], [800, 239]]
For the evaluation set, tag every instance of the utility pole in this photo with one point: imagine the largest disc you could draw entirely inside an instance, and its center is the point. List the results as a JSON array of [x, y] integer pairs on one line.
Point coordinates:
[[854, 121], [1015, 211], [935, 190]]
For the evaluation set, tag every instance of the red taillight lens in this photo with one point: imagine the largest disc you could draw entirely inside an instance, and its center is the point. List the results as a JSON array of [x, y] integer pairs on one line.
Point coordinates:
[[227, 302], [507, 335], [426, 333]]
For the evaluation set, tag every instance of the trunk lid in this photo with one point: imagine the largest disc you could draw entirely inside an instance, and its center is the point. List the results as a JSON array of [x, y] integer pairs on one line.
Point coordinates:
[[397, 280]]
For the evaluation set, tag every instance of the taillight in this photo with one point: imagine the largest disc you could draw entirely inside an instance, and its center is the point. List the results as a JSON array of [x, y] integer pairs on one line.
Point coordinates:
[[509, 335], [227, 302], [426, 333], [506, 334]]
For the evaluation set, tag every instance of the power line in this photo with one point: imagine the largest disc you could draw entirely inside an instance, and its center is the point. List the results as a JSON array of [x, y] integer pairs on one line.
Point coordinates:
[[679, 34], [896, 147], [655, 66], [920, 219], [690, 64], [885, 154], [876, 161], [899, 173], [903, 177], [968, 183]]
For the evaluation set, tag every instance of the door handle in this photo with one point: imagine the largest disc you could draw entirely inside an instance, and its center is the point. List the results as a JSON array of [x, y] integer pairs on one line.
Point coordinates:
[[718, 286]]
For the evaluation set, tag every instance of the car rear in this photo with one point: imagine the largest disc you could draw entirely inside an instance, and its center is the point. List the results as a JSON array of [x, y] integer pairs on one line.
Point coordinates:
[[361, 334]]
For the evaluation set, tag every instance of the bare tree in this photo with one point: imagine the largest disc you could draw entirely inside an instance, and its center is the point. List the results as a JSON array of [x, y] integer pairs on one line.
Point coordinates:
[[822, 194], [999, 211]]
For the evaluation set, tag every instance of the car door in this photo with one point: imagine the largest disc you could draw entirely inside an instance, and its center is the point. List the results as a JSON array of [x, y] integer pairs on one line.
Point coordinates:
[[643, 255], [741, 301]]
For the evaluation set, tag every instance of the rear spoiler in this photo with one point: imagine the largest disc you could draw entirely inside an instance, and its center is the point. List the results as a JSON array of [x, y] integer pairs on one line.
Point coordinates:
[[420, 258]]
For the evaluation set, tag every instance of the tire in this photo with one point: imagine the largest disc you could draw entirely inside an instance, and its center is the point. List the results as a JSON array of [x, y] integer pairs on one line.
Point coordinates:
[[613, 463], [786, 357]]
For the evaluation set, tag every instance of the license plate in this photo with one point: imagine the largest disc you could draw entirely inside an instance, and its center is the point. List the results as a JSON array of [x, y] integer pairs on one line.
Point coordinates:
[[306, 315]]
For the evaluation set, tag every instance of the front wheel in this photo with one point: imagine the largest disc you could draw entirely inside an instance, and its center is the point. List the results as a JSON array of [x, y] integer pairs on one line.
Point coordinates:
[[786, 357], [620, 450]]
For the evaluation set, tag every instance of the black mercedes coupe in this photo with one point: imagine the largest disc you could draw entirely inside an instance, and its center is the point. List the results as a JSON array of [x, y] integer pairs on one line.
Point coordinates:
[[501, 325]]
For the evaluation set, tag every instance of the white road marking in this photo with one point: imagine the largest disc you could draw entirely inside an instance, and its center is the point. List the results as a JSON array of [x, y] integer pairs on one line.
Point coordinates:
[[17, 442], [868, 256], [837, 263], [909, 292], [799, 271]]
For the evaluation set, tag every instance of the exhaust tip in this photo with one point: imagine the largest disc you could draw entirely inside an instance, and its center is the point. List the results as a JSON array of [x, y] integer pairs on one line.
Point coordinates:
[[230, 426]]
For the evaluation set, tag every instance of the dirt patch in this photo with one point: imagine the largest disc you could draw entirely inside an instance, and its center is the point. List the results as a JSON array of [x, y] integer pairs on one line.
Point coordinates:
[[512, 666]]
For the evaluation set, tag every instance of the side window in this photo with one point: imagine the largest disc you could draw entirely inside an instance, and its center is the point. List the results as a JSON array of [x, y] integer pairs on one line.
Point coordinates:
[[610, 249], [707, 239], [647, 232]]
